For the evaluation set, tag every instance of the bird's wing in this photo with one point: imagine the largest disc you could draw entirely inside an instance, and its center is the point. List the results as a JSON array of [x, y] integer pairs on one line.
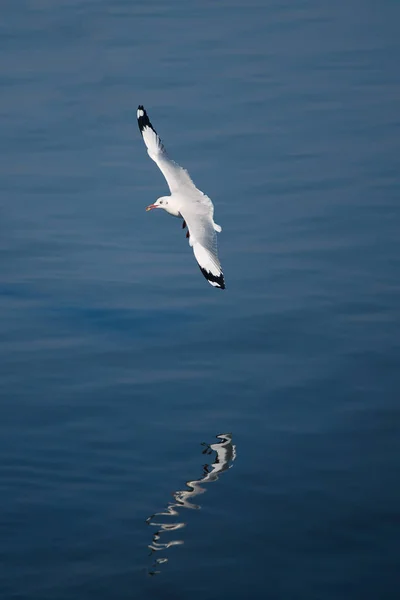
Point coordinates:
[[197, 214], [177, 177]]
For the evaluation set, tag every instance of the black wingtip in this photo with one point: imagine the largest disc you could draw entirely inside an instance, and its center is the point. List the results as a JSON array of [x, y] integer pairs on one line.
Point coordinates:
[[143, 119], [216, 280]]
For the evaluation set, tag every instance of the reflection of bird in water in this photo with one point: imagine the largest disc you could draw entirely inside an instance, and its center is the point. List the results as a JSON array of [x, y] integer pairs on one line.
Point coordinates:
[[226, 454]]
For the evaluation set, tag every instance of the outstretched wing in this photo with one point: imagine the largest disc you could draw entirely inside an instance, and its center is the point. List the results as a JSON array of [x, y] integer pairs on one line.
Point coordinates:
[[177, 177], [203, 240]]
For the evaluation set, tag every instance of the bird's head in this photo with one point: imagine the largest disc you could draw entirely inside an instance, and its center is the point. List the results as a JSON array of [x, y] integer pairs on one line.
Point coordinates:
[[160, 203]]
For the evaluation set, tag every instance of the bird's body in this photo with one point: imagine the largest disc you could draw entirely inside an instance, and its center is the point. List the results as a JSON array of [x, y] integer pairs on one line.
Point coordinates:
[[186, 202]]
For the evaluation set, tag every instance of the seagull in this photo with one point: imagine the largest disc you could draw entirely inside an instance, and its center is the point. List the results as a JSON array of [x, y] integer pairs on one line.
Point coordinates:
[[186, 202]]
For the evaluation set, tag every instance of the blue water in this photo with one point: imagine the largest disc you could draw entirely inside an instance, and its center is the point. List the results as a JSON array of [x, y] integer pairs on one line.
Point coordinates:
[[119, 364]]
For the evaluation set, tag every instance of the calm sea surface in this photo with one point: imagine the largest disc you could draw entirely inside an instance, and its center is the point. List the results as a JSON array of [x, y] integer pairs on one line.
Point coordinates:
[[120, 365]]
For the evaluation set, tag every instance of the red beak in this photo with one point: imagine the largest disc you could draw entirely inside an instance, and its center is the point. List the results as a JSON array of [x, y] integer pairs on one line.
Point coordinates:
[[151, 206]]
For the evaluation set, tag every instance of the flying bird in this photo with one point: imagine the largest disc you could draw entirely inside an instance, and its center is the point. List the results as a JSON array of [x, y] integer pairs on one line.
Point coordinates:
[[186, 202]]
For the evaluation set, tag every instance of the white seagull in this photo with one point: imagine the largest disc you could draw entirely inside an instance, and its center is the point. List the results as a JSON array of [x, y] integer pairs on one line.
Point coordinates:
[[187, 203]]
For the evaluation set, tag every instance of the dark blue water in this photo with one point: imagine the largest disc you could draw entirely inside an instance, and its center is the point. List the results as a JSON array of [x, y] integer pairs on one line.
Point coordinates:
[[119, 364]]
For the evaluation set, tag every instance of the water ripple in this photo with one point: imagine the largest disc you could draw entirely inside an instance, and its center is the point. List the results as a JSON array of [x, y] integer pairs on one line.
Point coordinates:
[[225, 455]]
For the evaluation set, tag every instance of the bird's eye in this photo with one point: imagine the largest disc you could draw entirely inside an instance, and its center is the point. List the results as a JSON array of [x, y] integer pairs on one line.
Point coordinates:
[[161, 201]]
